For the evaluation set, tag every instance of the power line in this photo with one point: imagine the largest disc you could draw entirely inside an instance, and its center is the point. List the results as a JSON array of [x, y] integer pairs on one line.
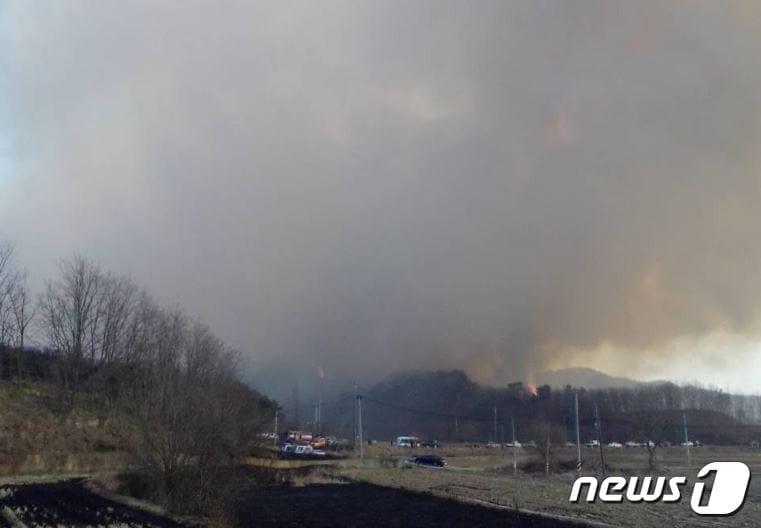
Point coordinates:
[[632, 422]]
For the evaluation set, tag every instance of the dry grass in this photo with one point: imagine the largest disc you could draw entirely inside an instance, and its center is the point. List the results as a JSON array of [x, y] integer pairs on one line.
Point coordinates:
[[34, 439], [467, 479]]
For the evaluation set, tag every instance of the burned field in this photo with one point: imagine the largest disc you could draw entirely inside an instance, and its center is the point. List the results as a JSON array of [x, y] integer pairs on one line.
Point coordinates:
[[68, 503], [474, 490], [369, 506]]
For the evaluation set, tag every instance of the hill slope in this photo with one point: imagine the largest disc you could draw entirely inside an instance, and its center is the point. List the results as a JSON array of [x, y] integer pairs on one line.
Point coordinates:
[[583, 377], [447, 405]]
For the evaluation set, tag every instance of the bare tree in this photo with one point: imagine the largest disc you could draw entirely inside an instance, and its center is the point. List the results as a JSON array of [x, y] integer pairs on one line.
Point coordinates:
[[117, 304], [653, 426], [156, 405], [69, 315], [23, 315], [138, 334], [172, 375], [9, 278], [118, 297], [195, 417]]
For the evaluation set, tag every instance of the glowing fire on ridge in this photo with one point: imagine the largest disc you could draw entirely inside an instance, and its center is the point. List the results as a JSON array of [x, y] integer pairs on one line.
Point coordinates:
[[531, 385]]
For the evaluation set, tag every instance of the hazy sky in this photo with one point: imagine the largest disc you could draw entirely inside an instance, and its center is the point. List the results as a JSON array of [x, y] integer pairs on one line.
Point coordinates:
[[375, 186]]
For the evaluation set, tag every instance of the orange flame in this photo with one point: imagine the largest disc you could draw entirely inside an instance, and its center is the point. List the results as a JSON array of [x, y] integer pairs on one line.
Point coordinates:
[[530, 385]]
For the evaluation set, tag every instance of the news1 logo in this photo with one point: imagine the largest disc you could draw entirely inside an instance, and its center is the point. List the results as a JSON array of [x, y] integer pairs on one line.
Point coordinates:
[[726, 496]]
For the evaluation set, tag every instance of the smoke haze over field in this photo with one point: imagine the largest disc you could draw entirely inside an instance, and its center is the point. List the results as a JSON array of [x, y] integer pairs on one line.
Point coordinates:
[[371, 187]]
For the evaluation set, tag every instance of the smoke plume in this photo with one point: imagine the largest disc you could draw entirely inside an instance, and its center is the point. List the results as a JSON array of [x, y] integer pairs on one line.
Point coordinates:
[[371, 187]]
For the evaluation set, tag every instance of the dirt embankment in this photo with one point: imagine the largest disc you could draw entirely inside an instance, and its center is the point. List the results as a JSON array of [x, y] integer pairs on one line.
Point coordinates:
[[34, 439]]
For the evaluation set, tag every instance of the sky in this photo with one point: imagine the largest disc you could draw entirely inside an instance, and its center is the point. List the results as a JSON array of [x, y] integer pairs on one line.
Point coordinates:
[[369, 187]]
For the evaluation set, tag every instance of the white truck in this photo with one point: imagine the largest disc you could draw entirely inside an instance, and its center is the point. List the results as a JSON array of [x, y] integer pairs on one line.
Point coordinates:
[[406, 441]]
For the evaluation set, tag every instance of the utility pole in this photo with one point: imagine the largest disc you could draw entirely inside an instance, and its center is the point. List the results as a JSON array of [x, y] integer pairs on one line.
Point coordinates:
[[359, 426], [599, 439], [578, 436], [318, 416], [547, 456], [686, 438], [319, 400], [296, 406], [274, 440], [356, 413], [456, 419], [495, 425], [515, 460]]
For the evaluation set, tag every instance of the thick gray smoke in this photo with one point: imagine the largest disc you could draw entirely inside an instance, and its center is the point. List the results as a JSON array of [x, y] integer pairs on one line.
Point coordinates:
[[370, 187]]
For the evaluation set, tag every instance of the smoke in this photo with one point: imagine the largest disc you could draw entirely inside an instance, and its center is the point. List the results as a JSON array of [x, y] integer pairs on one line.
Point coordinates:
[[371, 187]]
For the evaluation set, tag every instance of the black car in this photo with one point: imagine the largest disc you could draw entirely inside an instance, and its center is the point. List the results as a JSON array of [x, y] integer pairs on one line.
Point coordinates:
[[429, 460]]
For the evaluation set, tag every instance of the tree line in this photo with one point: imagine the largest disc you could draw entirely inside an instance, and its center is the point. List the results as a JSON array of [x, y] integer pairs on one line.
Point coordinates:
[[448, 406], [103, 337]]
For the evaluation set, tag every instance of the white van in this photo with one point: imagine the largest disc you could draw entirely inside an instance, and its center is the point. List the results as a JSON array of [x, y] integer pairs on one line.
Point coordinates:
[[406, 441]]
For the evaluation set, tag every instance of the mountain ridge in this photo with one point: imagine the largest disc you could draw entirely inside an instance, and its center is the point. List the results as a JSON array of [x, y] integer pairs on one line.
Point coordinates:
[[583, 377]]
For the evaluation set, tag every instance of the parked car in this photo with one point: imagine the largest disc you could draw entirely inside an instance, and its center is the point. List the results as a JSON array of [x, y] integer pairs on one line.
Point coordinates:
[[427, 460], [615, 444], [294, 436], [303, 450], [593, 443], [406, 441], [293, 449]]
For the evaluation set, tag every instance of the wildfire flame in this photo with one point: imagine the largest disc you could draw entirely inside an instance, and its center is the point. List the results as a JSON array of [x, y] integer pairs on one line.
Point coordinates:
[[531, 385]]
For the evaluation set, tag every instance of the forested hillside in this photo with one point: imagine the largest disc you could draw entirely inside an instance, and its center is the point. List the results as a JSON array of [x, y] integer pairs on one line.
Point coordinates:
[[450, 406], [114, 371]]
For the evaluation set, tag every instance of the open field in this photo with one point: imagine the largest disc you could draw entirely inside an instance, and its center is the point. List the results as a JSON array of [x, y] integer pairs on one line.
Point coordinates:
[[488, 478]]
